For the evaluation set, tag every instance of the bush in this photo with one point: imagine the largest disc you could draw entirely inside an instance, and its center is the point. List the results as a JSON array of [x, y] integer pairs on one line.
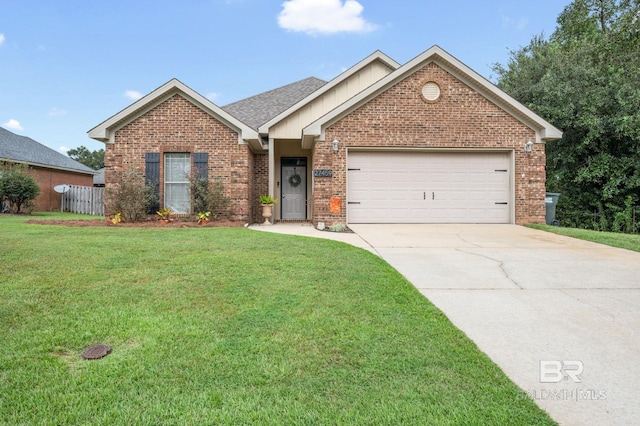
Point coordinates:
[[18, 188], [209, 195], [130, 197]]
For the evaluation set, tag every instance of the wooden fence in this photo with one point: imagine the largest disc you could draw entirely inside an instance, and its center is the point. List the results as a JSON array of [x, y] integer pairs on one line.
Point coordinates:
[[84, 199]]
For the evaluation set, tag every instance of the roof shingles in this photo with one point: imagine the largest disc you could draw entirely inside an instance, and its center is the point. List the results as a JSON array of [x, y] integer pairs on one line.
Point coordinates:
[[259, 109], [21, 149]]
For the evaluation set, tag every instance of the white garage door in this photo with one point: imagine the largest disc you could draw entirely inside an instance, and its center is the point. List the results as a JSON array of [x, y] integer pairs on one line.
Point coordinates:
[[420, 187]]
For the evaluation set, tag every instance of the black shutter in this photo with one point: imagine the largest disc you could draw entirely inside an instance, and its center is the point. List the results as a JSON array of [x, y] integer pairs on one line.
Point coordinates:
[[152, 176], [201, 164]]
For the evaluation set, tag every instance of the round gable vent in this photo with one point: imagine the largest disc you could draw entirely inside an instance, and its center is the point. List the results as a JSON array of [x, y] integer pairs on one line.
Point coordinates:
[[431, 91]]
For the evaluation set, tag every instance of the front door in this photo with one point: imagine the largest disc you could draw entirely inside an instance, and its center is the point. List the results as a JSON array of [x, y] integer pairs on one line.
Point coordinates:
[[294, 189]]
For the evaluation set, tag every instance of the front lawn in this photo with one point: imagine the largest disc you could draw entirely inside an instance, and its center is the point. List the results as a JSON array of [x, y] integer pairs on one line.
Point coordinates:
[[614, 239], [229, 326]]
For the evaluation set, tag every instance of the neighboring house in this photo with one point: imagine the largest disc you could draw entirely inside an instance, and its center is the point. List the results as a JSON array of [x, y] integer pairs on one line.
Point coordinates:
[[98, 178], [49, 167], [430, 141]]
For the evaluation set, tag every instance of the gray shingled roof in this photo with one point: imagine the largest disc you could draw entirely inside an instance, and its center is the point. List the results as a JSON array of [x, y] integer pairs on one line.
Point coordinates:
[[259, 109], [98, 178], [22, 149]]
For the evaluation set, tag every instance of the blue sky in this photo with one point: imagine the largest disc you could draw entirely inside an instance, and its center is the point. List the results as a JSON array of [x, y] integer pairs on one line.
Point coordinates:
[[66, 66]]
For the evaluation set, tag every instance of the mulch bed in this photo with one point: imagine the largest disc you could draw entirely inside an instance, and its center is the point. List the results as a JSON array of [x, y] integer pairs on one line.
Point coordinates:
[[149, 223]]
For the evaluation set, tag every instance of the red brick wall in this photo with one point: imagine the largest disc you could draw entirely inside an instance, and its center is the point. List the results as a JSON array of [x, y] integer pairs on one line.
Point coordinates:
[[461, 118], [261, 184], [176, 125], [49, 200]]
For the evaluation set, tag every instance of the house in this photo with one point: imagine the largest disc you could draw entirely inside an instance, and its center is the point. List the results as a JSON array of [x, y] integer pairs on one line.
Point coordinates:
[[49, 167], [430, 141], [98, 178]]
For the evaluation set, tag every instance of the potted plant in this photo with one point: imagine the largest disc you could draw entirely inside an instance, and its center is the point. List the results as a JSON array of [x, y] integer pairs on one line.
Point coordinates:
[[267, 202]]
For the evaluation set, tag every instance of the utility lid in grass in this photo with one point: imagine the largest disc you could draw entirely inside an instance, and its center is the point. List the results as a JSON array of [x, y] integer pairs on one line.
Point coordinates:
[[96, 351]]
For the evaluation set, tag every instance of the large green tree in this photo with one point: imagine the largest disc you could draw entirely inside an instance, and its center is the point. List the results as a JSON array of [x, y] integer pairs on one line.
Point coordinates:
[[92, 159], [585, 79]]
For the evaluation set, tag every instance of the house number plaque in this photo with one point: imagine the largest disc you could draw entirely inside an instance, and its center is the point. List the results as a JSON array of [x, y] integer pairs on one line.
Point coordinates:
[[322, 173]]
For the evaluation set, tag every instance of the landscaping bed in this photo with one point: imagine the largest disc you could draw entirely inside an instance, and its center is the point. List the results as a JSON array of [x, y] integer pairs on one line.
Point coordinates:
[[152, 222]]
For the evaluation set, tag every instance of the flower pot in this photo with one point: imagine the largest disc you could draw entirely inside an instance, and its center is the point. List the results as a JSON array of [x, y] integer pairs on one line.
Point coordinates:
[[267, 212]]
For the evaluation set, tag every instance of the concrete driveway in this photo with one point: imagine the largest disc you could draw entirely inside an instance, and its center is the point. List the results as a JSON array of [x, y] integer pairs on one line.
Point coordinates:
[[560, 316]]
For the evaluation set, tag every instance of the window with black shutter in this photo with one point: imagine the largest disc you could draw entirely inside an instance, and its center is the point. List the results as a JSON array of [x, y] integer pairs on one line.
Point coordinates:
[[152, 176], [201, 164]]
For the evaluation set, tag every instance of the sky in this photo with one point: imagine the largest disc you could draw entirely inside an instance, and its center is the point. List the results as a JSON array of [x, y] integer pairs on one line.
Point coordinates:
[[66, 66]]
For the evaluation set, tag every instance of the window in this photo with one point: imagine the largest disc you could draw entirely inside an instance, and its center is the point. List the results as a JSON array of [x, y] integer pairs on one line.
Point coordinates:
[[177, 168]]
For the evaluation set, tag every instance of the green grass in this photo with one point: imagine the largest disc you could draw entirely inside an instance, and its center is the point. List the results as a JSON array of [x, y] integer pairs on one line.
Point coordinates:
[[614, 239], [229, 326]]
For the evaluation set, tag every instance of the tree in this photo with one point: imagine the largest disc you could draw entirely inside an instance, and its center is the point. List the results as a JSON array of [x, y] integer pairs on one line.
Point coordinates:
[[18, 188], [585, 80], [92, 159]]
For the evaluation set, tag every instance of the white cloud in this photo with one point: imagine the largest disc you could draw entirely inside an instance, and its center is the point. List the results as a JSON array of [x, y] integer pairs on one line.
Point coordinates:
[[57, 112], [213, 96], [2, 39], [133, 95], [519, 24], [13, 124], [63, 149], [323, 17]]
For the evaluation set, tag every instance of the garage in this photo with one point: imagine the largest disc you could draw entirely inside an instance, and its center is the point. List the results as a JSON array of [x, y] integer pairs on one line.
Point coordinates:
[[429, 187]]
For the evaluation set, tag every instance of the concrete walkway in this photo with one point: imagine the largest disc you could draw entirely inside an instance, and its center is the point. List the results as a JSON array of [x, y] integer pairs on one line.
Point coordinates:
[[560, 316]]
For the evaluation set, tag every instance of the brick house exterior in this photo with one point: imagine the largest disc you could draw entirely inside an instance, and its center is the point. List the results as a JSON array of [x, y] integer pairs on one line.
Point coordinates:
[[178, 126], [313, 129]]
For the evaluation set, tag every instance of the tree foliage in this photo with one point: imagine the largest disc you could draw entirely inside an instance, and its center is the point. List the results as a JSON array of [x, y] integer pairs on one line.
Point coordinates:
[[585, 79], [92, 159], [17, 188]]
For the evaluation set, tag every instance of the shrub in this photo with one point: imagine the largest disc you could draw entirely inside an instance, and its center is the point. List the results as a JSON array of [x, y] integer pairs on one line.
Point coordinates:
[[130, 196], [18, 188], [209, 196]]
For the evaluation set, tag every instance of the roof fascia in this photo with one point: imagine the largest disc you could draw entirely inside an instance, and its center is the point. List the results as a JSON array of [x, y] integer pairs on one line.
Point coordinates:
[[105, 131], [375, 56], [544, 129]]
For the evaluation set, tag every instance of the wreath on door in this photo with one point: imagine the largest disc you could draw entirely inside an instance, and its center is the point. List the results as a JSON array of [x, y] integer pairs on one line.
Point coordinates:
[[294, 180]]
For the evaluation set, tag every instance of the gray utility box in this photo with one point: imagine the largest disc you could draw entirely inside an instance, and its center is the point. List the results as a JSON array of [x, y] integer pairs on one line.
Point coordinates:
[[551, 201]]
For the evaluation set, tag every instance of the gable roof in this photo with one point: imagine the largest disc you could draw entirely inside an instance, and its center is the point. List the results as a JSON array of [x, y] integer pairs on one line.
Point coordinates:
[[21, 149], [544, 130], [375, 56], [261, 108], [105, 131]]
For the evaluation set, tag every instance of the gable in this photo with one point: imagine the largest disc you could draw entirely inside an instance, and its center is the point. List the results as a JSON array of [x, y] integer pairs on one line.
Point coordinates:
[[175, 120], [105, 131], [290, 127], [461, 116], [544, 131]]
